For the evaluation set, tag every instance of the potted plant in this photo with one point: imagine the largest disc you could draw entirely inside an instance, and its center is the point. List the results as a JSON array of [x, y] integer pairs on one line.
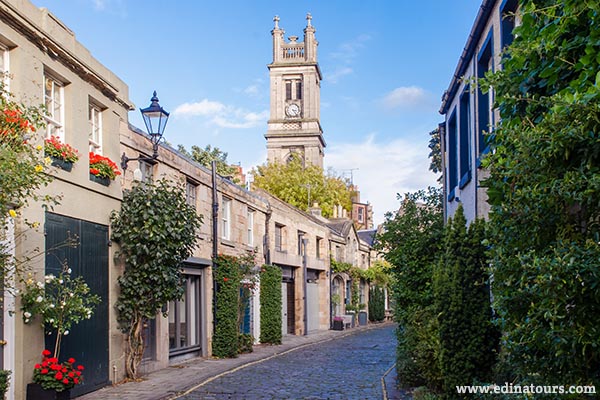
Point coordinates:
[[338, 323], [54, 380], [102, 169], [61, 302], [61, 154]]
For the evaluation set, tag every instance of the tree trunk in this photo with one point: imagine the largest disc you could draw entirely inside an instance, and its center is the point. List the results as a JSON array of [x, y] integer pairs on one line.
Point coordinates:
[[135, 347]]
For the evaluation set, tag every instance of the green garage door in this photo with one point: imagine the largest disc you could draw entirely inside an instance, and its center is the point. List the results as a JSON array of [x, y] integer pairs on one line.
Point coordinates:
[[88, 340]]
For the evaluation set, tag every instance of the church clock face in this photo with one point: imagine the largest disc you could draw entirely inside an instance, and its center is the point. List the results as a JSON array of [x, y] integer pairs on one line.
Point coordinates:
[[292, 110]]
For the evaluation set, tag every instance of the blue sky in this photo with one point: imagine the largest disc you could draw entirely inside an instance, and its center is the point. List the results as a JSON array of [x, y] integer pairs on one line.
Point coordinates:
[[385, 67]]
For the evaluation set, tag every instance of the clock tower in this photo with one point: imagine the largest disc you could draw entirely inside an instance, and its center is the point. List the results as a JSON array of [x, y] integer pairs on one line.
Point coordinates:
[[294, 125]]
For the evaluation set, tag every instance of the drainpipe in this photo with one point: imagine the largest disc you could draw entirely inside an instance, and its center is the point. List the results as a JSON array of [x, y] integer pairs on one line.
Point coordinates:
[[304, 285], [267, 239], [215, 232]]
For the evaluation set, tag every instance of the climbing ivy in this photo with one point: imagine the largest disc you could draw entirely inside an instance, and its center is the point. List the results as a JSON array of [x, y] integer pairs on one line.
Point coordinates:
[[227, 276], [270, 304], [156, 230]]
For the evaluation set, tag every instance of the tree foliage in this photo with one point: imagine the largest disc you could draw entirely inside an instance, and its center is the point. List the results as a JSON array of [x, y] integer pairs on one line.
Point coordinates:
[[411, 243], [23, 168], [544, 191], [302, 186], [156, 230], [207, 155]]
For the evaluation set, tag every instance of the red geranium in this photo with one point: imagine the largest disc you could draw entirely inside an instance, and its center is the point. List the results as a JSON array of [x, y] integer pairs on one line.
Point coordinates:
[[103, 167], [55, 148], [52, 375]]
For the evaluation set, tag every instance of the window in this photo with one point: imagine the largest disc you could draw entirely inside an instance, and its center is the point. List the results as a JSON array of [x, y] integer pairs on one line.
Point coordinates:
[[184, 317], [147, 170], [53, 100], [4, 66], [300, 237], [452, 156], [288, 90], [464, 139], [190, 193], [250, 222], [95, 129], [278, 237], [338, 254], [361, 214], [318, 247], [485, 100], [293, 89], [226, 219], [507, 24]]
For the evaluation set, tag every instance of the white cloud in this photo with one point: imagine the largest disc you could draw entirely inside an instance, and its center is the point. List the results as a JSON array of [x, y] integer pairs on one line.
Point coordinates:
[[203, 108], [384, 170], [335, 75], [406, 97], [344, 56], [221, 115]]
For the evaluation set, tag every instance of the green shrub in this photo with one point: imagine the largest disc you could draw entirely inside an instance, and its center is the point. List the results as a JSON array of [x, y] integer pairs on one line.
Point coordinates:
[[4, 381], [245, 343], [227, 276], [270, 304], [468, 339], [376, 304]]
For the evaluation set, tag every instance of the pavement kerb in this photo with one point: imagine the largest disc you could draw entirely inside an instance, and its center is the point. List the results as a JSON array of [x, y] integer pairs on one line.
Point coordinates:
[[289, 350], [383, 386]]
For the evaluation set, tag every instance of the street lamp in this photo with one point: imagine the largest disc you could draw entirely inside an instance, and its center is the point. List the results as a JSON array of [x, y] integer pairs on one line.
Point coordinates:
[[155, 118]]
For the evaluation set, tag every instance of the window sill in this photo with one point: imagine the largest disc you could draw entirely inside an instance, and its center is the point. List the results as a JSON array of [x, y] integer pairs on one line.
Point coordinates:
[[466, 178]]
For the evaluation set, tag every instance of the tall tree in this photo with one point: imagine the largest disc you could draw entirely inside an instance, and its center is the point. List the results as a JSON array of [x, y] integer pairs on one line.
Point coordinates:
[[544, 190], [301, 186], [468, 339]]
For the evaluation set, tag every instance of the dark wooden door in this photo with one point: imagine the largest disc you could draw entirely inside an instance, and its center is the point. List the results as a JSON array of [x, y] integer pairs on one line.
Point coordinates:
[[291, 307], [88, 341]]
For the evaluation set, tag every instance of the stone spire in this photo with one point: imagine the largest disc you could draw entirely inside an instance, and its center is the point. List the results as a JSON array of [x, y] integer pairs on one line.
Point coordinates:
[[310, 43], [278, 40]]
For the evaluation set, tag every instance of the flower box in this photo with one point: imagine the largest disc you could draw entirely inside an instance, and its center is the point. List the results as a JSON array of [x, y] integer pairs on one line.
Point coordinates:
[[62, 164], [100, 179], [35, 392]]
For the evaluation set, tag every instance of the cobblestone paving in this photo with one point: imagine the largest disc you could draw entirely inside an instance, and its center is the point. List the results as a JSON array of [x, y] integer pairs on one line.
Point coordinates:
[[347, 368]]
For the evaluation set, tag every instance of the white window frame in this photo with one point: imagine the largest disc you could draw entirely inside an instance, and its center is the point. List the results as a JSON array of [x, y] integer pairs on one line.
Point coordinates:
[[95, 126], [250, 228], [191, 193], [226, 219], [5, 67], [361, 214], [54, 121]]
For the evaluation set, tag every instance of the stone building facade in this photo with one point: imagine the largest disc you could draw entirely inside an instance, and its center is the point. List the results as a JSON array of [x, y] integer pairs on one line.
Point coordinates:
[[87, 105], [469, 112]]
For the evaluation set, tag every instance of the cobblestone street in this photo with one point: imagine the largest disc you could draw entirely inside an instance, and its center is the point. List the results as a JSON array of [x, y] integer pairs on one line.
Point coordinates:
[[347, 368]]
